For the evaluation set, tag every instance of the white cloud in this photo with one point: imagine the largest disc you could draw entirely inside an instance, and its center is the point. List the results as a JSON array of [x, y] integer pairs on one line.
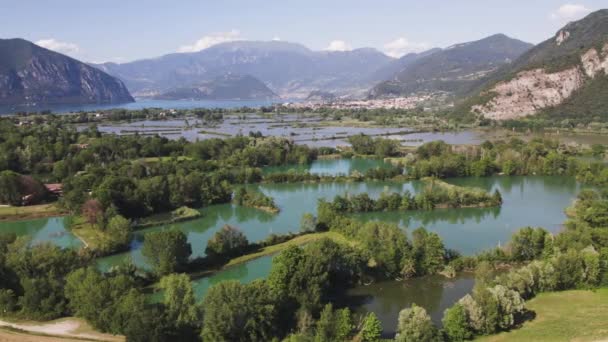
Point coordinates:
[[569, 12], [402, 46], [59, 46], [338, 45], [210, 40], [276, 39]]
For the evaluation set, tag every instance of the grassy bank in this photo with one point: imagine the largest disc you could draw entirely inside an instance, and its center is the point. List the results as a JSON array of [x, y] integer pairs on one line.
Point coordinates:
[[300, 240], [8, 213], [563, 316], [270, 250], [178, 215]]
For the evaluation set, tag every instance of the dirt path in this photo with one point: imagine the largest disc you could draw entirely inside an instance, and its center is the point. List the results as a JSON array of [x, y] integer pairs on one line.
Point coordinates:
[[66, 327]]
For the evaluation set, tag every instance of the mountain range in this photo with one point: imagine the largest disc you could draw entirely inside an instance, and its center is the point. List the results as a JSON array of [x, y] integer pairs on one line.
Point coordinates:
[[456, 69], [496, 77], [30, 74], [289, 69]]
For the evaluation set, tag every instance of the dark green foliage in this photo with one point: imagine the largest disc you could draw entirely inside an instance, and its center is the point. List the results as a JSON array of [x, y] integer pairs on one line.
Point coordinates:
[[372, 328], [40, 271], [455, 325], [95, 297], [253, 199], [167, 250], [238, 312], [528, 243], [429, 252], [333, 325], [227, 242], [305, 277], [366, 145], [435, 194]]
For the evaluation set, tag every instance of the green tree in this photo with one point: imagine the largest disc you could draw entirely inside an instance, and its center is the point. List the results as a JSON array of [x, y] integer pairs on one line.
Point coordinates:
[[178, 299], [239, 312], [166, 250], [455, 324], [372, 328], [228, 241], [415, 325], [119, 231], [308, 223], [528, 243]]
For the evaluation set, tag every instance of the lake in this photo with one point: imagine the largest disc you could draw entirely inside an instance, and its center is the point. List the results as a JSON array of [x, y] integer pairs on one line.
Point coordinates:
[[137, 105], [531, 200]]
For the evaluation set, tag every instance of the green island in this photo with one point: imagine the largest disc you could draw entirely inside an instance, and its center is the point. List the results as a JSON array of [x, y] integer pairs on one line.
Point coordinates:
[[436, 194], [144, 197], [256, 200]]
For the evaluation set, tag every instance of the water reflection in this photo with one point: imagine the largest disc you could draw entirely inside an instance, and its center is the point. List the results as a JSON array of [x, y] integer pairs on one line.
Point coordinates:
[[387, 298]]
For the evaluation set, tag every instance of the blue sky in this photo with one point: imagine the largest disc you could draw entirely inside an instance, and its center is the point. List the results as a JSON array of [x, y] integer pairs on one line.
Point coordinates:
[[125, 30]]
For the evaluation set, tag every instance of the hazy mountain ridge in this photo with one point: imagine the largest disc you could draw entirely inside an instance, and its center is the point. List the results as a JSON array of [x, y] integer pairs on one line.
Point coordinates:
[[566, 75], [289, 69], [30, 74], [456, 69], [227, 87]]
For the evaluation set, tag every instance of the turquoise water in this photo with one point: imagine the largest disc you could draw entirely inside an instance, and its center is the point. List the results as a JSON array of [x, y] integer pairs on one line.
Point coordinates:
[[333, 167], [534, 201], [52, 230]]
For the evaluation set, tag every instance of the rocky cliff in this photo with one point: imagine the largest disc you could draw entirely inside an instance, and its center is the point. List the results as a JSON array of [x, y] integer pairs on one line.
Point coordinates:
[[30, 74], [569, 67]]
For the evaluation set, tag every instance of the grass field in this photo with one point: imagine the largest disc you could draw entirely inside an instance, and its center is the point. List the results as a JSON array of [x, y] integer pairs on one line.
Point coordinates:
[[8, 213], [563, 316]]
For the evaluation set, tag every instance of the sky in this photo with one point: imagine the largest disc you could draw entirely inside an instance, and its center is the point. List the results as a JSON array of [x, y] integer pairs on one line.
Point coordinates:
[[126, 30]]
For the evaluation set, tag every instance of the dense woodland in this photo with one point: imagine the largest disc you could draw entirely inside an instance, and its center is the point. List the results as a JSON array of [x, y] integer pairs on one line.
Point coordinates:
[[108, 181]]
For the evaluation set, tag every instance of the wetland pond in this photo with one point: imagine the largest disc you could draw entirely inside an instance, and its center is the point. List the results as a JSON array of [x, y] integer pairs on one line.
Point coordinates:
[[528, 201]]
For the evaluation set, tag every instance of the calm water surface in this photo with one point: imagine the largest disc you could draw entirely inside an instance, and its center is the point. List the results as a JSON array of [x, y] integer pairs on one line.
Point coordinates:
[[534, 201]]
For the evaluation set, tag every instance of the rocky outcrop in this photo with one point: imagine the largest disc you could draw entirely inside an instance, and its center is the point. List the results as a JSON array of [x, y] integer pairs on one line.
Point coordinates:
[[31, 75], [533, 90]]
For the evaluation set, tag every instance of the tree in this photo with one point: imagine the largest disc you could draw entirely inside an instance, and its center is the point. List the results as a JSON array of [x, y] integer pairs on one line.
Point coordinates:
[[333, 325], [308, 223], [227, 241], [372, 328], [92, 210], [528, 243], [94, 297], [167, 250], [119, 231], [41, 272], [415, 325], [239, 312], [178, 300], [429, 251], [455, 324], [473, 311], [10, 188]]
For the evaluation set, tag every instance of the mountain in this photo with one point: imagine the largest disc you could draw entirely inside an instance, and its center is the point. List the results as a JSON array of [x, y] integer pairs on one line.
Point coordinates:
[[564, 76], [290, 70], [30, 74], [390, 70], [456, 69], [227, 87]]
